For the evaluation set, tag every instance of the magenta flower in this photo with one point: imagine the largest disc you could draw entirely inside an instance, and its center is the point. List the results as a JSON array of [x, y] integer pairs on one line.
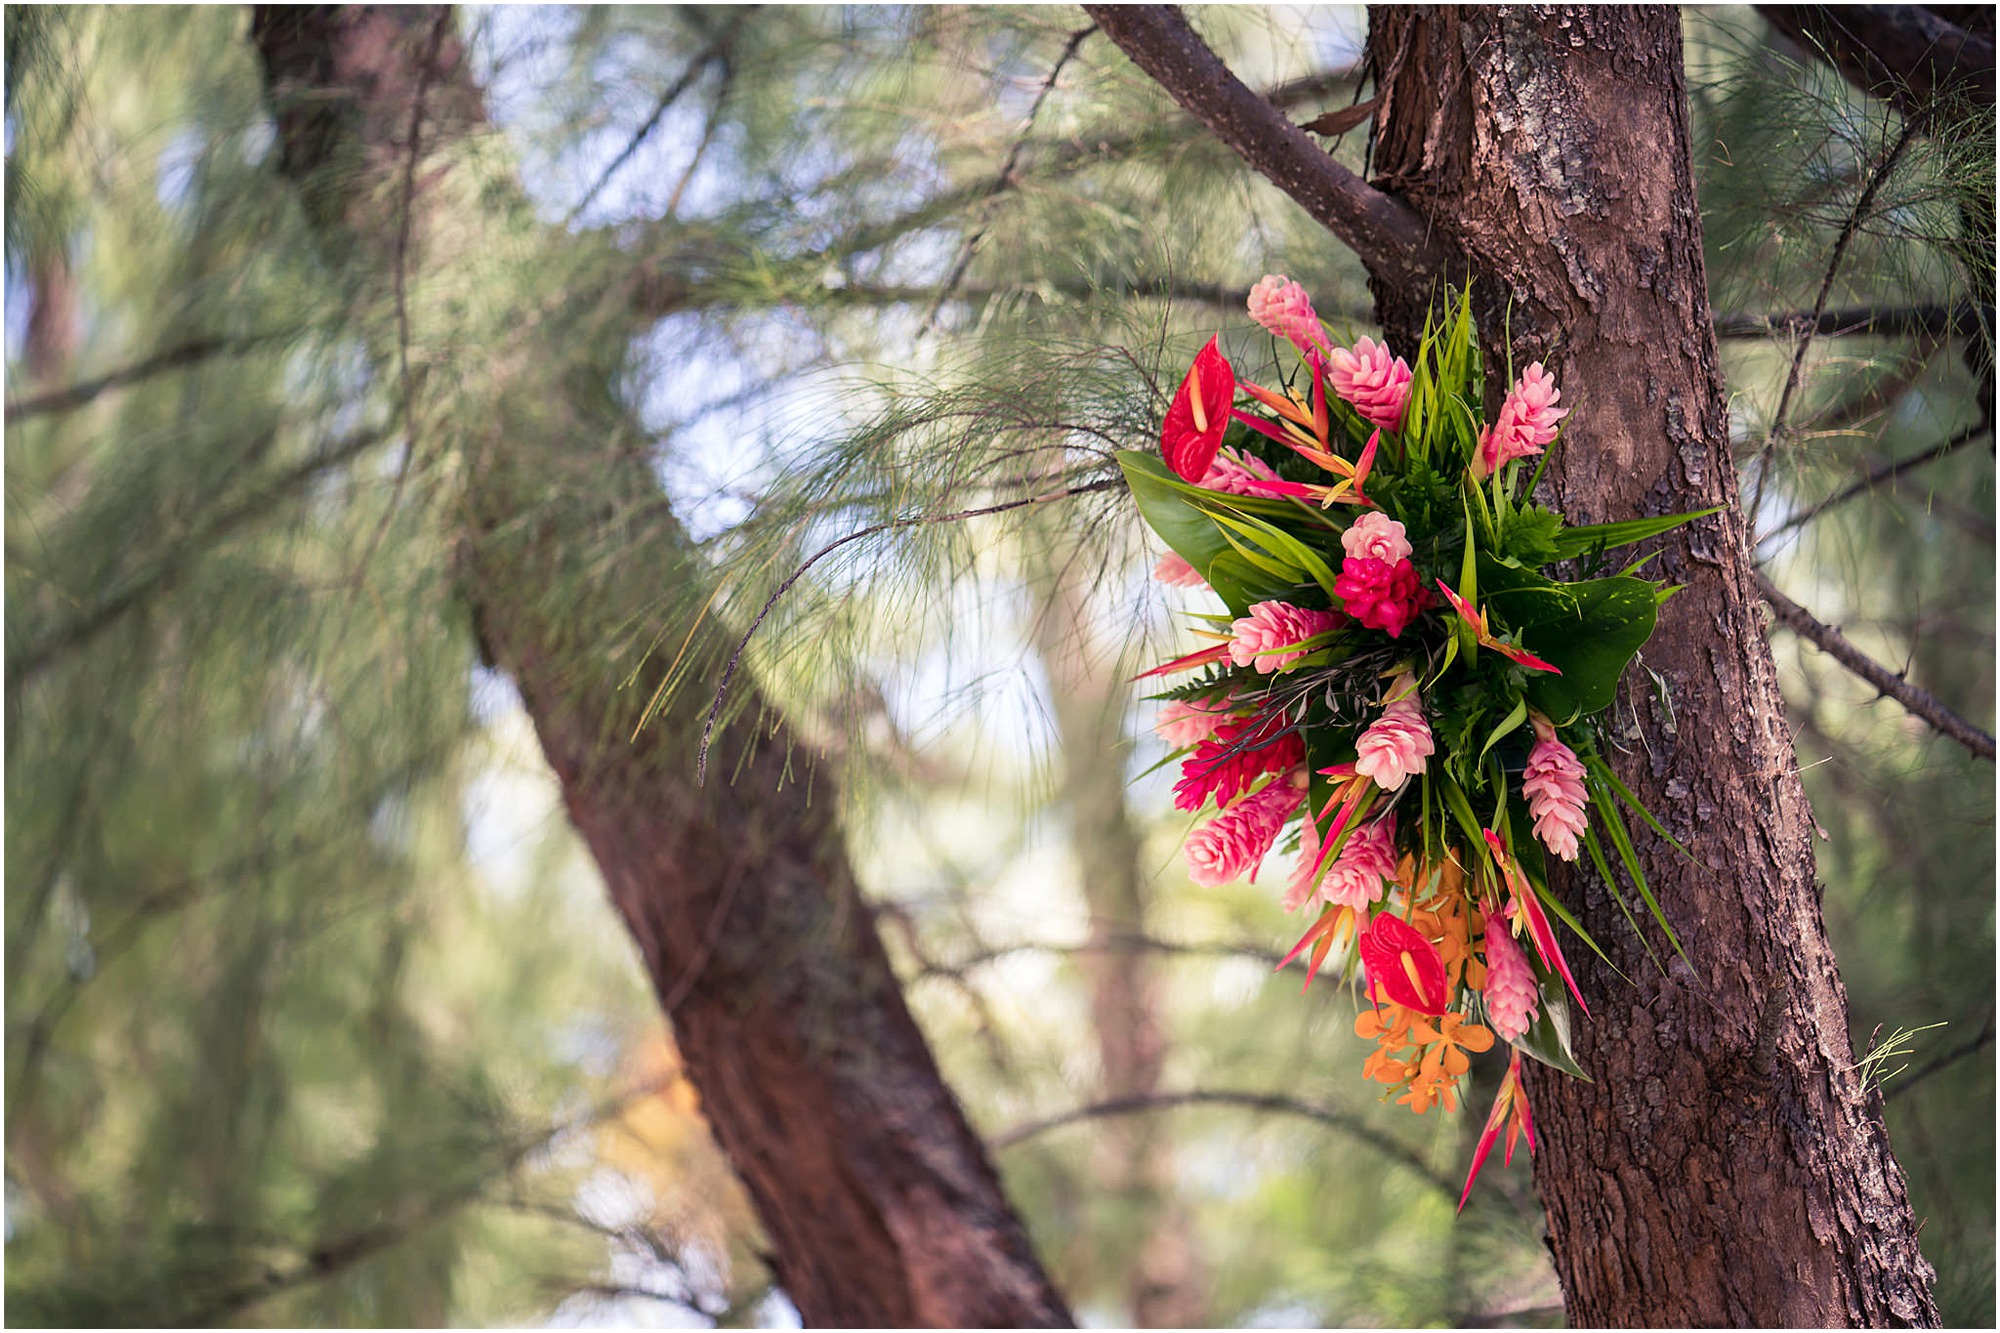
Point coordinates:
[[1396, 744], [1282, 307], [1177, 572], [1376, 536], [1380, 595], [1526, 424], [1512, 1000], [1188, 721], [1238, 474], [1374, 383], [1234, 842], [1240, 751], [1553, 784], [1269, 637]]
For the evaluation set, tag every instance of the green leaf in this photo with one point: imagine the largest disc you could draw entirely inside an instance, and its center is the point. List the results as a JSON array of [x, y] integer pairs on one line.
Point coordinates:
[[1461, 809], [1507, 724], [1548, 1040], [1606, 536], [1282, 545], [1589, 631], [1529, 535]]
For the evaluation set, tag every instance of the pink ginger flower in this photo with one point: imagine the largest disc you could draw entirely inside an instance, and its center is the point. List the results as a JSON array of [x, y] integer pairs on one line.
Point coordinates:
[[1282, 307], [1380, 595], [1526, 424], [1375, 536], [1234, 842], [1360, 874], [1553, 784], [1267, 638], [1240, 751], [1178, 573], [1396, 744], [1235, 473], [1512, 1000], [1187, 721], [1377, 385]]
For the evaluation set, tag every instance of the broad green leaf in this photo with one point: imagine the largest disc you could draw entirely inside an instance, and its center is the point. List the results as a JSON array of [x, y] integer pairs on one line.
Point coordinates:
[[1548, 1040]]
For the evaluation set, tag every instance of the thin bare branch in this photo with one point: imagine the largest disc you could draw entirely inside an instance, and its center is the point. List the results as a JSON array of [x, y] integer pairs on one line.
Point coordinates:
[[1920, 702], [1886, 472], [189, 353], [1388, 235], [1921, 321], [1908, 55], [1005, 179], [1268, 1102]]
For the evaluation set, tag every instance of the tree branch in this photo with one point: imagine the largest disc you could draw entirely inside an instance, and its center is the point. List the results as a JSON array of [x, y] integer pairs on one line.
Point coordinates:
[[1904, 54], [1390, 237], [1945, 1061], [174, 358], [1920, 702], [1923, 321], [1273, 1103]]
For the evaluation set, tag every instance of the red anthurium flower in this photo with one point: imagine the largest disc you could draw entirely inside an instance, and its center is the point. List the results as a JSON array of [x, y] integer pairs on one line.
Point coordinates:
[[1403, 965], [1199, 415]]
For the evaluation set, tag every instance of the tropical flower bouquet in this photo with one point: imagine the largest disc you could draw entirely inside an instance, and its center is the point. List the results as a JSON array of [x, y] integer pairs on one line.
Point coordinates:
[[1399, 681]]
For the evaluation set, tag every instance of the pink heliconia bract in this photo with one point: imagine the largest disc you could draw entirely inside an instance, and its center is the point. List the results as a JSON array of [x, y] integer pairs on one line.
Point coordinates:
[[1553, 784], [1242, 750], [1512, 1000], [1526, 424], [1267, 638], [1237, 474], [1360, 874], [1178, 573], [1235, 841], [1186, 721], [1376, 384], [1376, 536], [1395, 745], [1282, 307]]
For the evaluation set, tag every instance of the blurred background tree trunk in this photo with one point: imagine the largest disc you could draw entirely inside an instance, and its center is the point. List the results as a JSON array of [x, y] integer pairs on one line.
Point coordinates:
[[877, 1197]]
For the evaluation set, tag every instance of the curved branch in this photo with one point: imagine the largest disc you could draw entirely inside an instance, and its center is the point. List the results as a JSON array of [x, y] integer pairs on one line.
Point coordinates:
[[1274, 1103], [1390, 237], [1919, 701], [1888, 471], [1904, 54]]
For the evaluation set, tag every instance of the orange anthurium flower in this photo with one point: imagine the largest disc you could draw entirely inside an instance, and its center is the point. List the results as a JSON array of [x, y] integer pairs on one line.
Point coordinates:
[[1403, 965], [1486, 637], [1199, 414], [1510, 1107]]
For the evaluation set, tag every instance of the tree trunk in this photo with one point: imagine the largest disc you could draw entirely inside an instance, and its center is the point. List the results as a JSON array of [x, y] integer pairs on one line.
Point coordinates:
[[1727, 1165], [879, 1200]]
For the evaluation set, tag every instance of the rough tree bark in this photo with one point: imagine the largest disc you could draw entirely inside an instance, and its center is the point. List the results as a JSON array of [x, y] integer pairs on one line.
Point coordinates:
[[879, 1201], [1727, 1166]]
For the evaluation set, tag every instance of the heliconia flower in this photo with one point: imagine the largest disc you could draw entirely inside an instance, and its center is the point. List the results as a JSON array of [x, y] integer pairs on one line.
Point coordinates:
[[1360, 874], [1199, 414], [1376, 536], [1512, 999], [1483, 632], [1553, 784], [1374, 383], [1187, 721], [1403, 966], [1380, 595], [1238, 474], [1234, 842], [1269, 637], [1178, 573], [1510, 1107], [1241, 750], [1396, 744], [1526, 424], [1282, 307]]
